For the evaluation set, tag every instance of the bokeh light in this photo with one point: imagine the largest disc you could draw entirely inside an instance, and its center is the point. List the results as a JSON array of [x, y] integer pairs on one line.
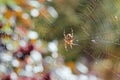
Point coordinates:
[[33, 45]]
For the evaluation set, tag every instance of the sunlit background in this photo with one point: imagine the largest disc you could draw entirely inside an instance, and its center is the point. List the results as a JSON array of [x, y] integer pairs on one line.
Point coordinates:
[[32, 40]]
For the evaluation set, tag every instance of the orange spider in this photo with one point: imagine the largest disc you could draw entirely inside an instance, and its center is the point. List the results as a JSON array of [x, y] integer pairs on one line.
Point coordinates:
[[68, 39]]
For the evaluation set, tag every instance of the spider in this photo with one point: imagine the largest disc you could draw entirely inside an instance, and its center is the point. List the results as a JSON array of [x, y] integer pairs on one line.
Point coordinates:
[[68, 39]]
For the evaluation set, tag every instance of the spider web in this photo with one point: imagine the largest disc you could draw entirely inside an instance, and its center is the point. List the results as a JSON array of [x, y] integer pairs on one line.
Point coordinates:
[[106, 44], [106, 38]]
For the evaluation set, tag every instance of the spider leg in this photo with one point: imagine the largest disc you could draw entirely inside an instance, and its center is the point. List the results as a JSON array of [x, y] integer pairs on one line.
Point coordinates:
[[71, 46], [71, 43], [72, 31], [66, 46], [64, 33], [76, 44]]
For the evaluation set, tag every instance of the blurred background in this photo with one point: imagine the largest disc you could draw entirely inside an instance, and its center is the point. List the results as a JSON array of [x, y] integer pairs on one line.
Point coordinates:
[[32, 41]]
